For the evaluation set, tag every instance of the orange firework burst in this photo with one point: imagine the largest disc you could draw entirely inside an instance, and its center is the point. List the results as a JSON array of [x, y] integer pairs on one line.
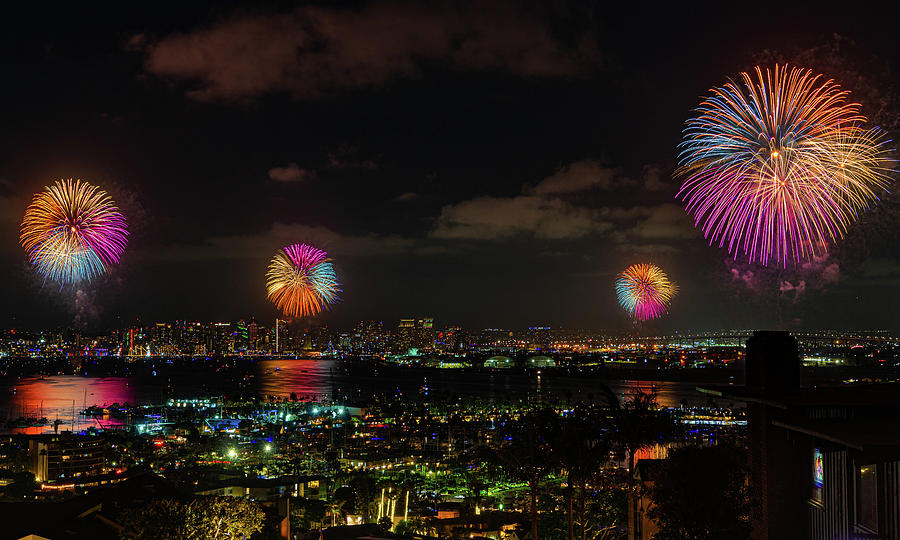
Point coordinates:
[[301, 281]]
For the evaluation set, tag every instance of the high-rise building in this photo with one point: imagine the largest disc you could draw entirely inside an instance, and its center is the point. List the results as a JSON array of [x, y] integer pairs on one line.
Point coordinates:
[[368, 337], [253, 334], [194, 339], [451, 339], [415, 333], [220, 339], [162, 341]]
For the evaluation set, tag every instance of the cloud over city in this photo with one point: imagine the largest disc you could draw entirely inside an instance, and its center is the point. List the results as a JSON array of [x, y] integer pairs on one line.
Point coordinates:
[[556, 208], [314, 50], [290, 173]]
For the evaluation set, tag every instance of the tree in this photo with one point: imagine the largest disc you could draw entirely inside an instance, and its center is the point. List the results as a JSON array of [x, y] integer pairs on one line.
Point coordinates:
[[161, 518], [363, 485], [22, 486], [525, 453], [607, 514], [407, 527], [307, 513], [225, 517], [701, 493], [214, 518], [580, 446], [384, 524], [640, 424]]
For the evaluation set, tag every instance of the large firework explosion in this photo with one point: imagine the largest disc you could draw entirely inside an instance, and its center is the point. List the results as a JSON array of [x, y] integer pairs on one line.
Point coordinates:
[[72, 232], [301, 281], [645, 291], [778, 166]]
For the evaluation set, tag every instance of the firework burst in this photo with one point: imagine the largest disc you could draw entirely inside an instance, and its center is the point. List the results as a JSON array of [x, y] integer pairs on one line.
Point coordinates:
[[645, 291], [779, 165], [301, 281], [72, 232]]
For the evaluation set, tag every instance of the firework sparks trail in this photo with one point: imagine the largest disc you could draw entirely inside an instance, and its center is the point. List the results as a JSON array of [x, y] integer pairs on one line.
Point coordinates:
[[301, 281], [779, 165], [72, 231]]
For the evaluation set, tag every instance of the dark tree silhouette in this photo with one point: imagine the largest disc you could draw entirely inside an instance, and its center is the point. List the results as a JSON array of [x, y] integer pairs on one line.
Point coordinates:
[[640, 424], [580, 445], [525, 453], [701, 493]]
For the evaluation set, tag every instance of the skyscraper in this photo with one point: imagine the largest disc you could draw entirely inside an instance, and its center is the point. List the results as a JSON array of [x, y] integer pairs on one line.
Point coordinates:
[[415, 333]]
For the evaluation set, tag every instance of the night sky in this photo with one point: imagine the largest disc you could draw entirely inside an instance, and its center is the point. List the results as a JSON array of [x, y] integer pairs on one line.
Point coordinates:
[[484, 163]]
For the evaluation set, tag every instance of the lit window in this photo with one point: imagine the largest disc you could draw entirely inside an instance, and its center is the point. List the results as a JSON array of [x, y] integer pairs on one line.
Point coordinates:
[[818, 474]]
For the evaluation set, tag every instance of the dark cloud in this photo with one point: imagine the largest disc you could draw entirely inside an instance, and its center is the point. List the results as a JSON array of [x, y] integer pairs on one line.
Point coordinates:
[[553, 209], [495, 218], [405, 197], [582, 175], [314, 50], [264, 244], [12, 208], [881, 269], [347, 159], [290, 173], [666, 221], [652, 180]]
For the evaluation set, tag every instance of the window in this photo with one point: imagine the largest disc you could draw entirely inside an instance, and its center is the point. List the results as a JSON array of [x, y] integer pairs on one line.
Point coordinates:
[[818, 474], [867, 497], [638, 519]]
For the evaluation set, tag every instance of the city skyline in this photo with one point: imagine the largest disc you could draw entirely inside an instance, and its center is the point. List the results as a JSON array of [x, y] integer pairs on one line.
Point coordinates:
[[449, 270], [414, 338], [526, 220]]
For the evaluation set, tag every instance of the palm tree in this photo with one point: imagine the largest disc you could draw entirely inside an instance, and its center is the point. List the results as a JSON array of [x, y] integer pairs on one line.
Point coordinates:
[[581, 444], [335, 508], [409, 485], [640, 424], [525, 453]]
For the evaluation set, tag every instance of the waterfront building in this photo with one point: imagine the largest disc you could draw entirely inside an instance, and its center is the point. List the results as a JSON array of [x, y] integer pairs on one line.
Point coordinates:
[[499, 362], [62, 459], [540, 362]]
